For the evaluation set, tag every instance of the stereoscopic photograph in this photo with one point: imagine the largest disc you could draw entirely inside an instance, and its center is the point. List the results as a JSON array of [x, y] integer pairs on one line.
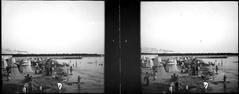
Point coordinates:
[[119, 46]]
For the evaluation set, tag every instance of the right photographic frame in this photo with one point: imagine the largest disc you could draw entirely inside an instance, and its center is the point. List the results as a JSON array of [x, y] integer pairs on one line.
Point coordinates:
[[189, 47]]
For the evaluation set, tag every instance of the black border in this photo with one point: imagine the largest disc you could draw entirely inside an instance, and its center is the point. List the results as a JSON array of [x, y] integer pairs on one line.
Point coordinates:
[[130, 42]]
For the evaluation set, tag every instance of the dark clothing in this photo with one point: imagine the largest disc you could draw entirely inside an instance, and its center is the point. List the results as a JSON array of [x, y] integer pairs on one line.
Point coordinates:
[[146, 78], [224, 78], [216, 69], [176, 86], [71, 69]]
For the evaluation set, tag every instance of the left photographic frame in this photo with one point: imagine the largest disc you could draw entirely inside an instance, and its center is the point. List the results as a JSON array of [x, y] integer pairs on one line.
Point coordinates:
[[53, 46]]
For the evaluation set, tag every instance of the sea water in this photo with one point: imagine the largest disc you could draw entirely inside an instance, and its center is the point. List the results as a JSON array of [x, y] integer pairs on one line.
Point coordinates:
[[91, 71]]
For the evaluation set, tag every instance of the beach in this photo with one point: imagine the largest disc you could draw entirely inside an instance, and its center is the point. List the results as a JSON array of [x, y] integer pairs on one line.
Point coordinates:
[[163, 79], [90, 70]]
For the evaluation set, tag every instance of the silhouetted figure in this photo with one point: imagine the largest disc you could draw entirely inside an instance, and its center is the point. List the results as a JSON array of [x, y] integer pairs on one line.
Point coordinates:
[[71, 69], [28, 78], [176, 86], [216, 69], [78, 78], [30, 87], [224, 78], [146, 78]]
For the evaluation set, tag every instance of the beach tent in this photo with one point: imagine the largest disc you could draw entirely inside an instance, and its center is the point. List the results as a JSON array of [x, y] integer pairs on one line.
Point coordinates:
[[15, 74], [172, 66], [151, 64], [26, 66], [4, 63], [161, 71], [157, 60]]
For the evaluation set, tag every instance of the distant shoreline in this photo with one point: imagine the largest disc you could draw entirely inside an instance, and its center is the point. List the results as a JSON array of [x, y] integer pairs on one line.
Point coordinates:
[[67, 56], [192, 54]]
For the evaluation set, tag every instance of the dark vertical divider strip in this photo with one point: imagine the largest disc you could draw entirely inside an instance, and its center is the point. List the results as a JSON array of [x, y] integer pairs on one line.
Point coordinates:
[[112, 74], [130, 39]]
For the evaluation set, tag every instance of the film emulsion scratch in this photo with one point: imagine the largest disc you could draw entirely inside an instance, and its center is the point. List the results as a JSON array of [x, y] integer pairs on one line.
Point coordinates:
[[189, 47], [52, 47]]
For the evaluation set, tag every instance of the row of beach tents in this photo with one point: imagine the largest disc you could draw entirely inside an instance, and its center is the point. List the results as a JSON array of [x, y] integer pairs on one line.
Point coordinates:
[[16, 68]]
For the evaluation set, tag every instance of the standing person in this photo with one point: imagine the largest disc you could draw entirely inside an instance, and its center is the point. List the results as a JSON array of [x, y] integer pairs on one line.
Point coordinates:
[[151, 63], [59, 85], [24, 89], [30, 87], [78, 78], [216, 69], [186, 87], [205, 85], [171, 88], [154, 75], [176, 86], [71, 69], [41, 88], [146, 78], [224, 78]]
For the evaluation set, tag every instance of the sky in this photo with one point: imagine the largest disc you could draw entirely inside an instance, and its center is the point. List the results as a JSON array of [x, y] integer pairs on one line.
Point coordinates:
[[190, 27], [53, 26]]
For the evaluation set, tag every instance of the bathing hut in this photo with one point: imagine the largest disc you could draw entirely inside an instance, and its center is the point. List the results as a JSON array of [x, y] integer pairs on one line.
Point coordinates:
[[26, 66], [172, 66], [15, 74], [4, 63]]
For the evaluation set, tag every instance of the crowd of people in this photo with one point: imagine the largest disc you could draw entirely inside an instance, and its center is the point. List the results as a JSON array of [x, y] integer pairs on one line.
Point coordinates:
[[187, 64], [44, 66]]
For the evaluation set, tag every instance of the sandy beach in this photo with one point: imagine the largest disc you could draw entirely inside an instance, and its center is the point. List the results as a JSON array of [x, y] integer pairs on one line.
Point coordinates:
[[88, 68], [163, 79]]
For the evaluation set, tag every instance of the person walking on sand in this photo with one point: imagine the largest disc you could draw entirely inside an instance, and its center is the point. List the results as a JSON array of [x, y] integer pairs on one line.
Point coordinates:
[[146, 78]]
